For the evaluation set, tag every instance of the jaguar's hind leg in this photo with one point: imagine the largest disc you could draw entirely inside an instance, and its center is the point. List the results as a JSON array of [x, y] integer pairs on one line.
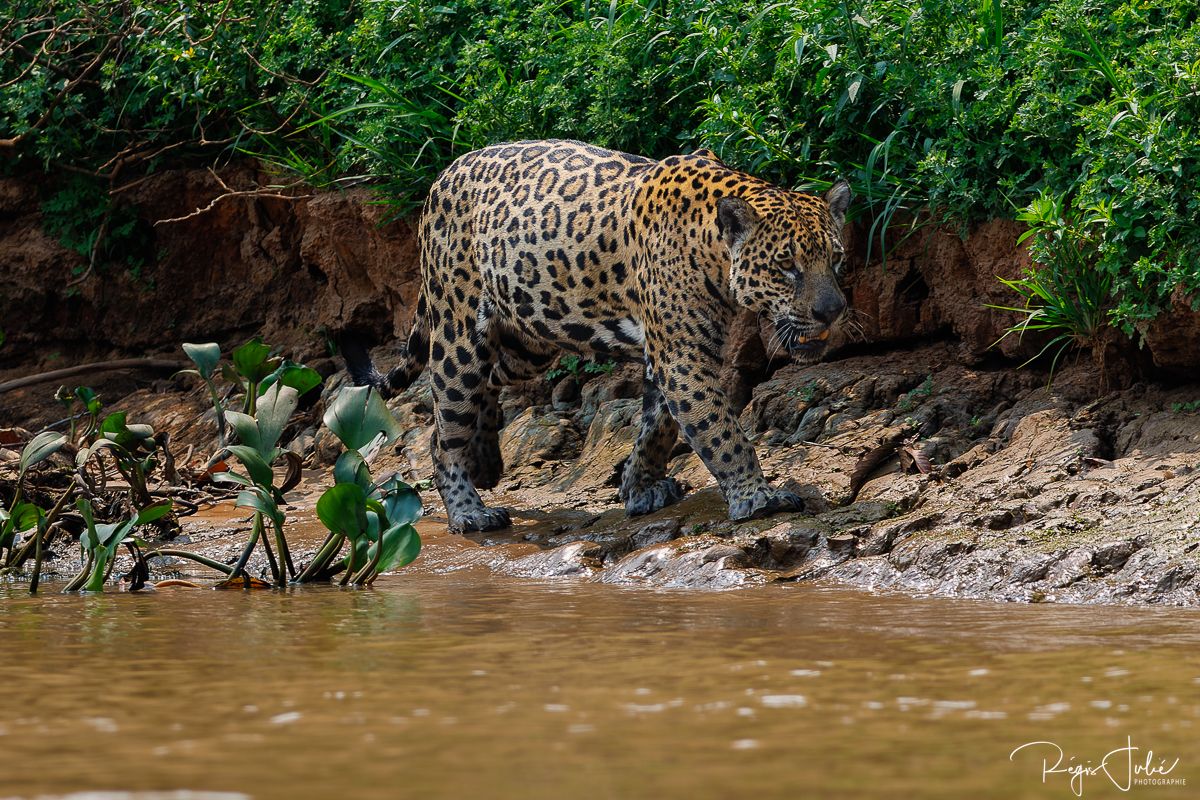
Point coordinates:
[[487, 462], [645, 486], [460, 363]]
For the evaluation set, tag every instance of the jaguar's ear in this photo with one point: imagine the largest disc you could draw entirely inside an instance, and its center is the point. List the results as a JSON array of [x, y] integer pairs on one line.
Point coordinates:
[[704, 152], [736, 220], [838, 197]]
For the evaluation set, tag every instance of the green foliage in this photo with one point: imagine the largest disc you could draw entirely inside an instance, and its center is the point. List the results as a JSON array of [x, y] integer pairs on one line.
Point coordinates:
[[1067, 296], [575, 366], [806, 393], [957, 109], [1190, 407], [100, 541], [361, 420], [375, 518]]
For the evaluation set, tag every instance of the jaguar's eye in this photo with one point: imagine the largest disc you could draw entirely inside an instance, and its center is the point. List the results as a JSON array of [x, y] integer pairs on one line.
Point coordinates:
[[783, 255]]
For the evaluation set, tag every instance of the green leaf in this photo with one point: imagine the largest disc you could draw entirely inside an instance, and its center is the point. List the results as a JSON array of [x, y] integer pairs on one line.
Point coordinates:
[[400, 501], [301, 378], [245, 427], [23, 517], [131, 437], [111, 534], [343, 509], [350, 468], [358, 415], [252, 360], [89, 398], [204, 356], [258, 467], [154, 511], [40, 447], [260, 500], [401, 546], [88, 539], [275, 408]]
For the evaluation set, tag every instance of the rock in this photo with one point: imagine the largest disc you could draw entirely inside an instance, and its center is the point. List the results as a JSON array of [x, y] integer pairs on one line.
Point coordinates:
[[693, 562], [575, 559], [535, 436], [566, 394], [663, 530]]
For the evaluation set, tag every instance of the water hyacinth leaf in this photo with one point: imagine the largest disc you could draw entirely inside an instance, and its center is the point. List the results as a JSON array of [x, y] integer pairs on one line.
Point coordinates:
[[111, 534], [88, 538], [301, 378], [401, 546], [245, 427], [40, 448], [89, 398], [258, 467], [231, 477], [351, 468], [153, 512], [343, 509], [262, 502], [204, 356], [23, 517], [115, 429], [252, 360], [358, 415], [275, 408], [400, 501]]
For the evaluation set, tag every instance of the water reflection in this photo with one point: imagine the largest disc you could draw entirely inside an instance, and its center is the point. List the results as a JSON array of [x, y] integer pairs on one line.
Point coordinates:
[[470, 685]]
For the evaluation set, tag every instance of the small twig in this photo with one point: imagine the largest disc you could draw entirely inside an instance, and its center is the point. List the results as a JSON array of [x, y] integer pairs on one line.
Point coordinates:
[[260, 192]]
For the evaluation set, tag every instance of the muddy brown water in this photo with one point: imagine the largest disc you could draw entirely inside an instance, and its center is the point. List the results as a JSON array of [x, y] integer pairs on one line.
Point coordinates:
[[460, 683]]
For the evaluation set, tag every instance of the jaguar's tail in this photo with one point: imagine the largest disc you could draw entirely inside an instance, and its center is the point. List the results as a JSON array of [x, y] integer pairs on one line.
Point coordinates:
[[413, 358]]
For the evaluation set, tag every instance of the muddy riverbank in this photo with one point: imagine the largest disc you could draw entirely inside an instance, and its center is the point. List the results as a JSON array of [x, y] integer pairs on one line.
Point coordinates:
[[922, 475]]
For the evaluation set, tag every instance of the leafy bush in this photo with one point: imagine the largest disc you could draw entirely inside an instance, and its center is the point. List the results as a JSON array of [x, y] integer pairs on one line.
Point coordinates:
[[942, 109]]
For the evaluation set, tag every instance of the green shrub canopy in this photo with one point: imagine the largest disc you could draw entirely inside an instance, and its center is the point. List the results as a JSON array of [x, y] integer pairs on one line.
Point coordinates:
[[968, 110]]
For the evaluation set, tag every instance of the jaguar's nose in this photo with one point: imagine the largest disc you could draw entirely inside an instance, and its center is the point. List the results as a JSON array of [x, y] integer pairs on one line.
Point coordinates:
[[829, 306]]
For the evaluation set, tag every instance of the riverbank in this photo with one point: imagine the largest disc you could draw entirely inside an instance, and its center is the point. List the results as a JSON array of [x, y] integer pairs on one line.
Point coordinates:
[[923, 476], [932, 462]]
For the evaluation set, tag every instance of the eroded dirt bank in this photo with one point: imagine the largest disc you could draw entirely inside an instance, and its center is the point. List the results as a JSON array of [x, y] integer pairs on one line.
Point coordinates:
[[1030, 493]]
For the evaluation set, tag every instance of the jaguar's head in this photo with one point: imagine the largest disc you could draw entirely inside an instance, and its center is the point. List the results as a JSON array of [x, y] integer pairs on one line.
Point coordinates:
[[786, 251]]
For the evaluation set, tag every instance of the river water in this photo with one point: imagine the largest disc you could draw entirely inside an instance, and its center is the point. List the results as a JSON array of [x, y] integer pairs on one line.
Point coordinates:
[[464, 684]]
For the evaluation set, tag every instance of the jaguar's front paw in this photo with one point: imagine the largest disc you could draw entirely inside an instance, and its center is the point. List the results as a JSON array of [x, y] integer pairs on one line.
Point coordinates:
[[763, 503], [651, 497], [484, 519]]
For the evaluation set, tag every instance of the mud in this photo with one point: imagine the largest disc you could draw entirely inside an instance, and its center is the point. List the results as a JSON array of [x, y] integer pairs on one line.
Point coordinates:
[[1033, 494]]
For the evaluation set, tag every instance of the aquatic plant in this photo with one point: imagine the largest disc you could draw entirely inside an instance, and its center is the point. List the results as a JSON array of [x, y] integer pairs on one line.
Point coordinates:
[[253, 370], [375, 517], [206, 357], [99, 542], [24, 516]]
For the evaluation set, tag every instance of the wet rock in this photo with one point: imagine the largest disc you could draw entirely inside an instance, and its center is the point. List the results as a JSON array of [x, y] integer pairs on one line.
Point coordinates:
[[1075, 565], [699, 562], [577, 559], [656, 533]]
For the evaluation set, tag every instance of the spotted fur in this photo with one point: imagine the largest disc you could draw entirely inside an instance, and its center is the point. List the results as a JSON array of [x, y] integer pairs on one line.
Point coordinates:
[[531, 248]]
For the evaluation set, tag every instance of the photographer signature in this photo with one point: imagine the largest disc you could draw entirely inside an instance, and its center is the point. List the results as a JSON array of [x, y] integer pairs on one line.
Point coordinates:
[[1118, 765]]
